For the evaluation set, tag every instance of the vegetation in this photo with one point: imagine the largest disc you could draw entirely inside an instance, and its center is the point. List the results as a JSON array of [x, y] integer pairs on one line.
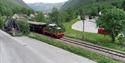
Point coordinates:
[[40, 17], [10, 7], [1, 23], [81, 3], [91, 7], [123, 5], [56, 17], [112, 20], [24, 26], [80, 51], [98, 39], [26, 11], [69, 14]]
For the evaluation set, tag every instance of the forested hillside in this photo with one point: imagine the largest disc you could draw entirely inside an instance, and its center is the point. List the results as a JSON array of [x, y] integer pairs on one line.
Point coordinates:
[[91, 6], [45, 7], [8, 7], [81, 3], [76, 3]]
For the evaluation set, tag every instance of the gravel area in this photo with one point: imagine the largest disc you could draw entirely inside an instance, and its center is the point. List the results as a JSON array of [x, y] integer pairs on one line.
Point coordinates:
[[89, 26]]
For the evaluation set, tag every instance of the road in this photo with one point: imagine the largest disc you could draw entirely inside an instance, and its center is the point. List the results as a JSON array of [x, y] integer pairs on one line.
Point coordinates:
[[27, 50], [89, 26]]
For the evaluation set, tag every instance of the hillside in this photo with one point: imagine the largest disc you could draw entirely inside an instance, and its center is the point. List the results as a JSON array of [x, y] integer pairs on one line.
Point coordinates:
[[83, 3], [22, 3], [76, 3], [45, 7], [7, 6]]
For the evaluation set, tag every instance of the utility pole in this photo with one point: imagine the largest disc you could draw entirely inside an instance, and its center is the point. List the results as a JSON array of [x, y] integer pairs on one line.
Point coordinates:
[[83, 20]]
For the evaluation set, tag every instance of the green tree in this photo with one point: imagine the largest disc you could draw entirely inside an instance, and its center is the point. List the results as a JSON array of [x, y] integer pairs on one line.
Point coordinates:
[[40, 17], [70, 14], [26, 11], [55, 16], [24, 26], [112, 20], [123, 5]]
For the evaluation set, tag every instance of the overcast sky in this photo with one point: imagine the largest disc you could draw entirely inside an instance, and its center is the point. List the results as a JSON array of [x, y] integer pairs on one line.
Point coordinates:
[[45, 1]]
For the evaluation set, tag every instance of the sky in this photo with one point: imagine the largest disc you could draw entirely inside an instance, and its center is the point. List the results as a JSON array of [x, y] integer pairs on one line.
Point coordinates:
[[44, 1]]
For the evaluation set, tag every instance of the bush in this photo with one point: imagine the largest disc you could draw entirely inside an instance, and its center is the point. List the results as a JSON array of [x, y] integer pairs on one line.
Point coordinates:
[[24, 26], [104, 60], [1, 23]]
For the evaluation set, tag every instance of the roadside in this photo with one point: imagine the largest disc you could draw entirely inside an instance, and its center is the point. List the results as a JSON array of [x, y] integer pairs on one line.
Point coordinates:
[[77, 50], [27, 50], [56, 54]]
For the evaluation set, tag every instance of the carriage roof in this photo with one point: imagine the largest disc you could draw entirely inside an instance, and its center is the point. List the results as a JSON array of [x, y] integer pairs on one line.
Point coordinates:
[[52, 25], [36, 23]]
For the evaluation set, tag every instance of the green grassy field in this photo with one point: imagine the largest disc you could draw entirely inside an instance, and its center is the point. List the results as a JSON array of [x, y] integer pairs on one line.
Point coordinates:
[[91, 37], [80, 51]]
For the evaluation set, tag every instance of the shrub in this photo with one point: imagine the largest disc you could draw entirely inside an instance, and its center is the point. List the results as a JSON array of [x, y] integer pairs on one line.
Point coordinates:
[[24, 26], [1, 23], [104, 60]]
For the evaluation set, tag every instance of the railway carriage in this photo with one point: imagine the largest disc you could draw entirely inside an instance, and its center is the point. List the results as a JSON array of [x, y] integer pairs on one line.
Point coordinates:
[[37, 26]]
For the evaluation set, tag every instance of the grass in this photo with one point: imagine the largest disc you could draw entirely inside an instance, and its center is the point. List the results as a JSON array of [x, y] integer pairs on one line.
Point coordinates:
[[94, 38], [80, 51]]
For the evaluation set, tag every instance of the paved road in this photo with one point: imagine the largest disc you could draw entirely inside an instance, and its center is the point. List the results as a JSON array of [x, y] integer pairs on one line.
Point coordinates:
[[27, 50], [90, 26]]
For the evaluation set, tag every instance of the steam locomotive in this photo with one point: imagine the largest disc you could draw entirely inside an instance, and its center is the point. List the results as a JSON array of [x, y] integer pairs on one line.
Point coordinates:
[[52, 30]]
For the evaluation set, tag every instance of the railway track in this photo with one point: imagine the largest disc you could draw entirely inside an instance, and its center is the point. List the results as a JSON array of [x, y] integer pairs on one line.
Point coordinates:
[[102, 50]]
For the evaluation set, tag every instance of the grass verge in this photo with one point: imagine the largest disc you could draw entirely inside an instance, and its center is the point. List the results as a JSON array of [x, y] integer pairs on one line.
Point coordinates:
[[80, 51], [94, 38]]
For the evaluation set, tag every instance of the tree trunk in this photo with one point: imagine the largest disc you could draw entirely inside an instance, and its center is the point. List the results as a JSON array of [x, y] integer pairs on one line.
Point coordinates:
[[113, 37]]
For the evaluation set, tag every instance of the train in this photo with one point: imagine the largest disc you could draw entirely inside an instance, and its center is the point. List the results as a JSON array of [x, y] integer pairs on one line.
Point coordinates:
[[52, 30]]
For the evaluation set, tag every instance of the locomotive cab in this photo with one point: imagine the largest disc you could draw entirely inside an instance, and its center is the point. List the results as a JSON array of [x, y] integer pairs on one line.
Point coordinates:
[[54, 31]]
